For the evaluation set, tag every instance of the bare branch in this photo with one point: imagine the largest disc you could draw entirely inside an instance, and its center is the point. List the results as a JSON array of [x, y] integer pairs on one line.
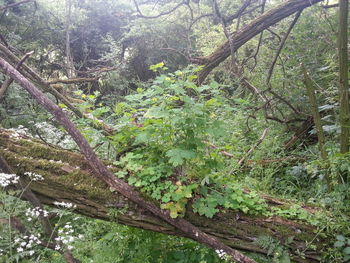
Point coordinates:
[[31, 74], [281, 45], [241, 161], [249, 31], [330, 6], [15, 4], [260, 39], [239, 12], [72, 81], [161, 14], [8, 81]]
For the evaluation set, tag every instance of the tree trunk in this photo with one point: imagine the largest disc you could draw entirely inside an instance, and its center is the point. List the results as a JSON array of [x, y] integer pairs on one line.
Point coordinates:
[[248, 32], [69, 178], [343, 76]]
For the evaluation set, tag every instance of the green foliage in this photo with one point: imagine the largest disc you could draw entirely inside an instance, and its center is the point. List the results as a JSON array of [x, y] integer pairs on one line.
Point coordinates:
[[231, 197], [171, 135], [169, 124], [278, 252], [343, 243]]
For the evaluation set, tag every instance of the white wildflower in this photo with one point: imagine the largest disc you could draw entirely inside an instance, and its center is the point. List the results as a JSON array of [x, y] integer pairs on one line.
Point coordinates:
[[65, 205], [34, 176], [8, 179], [36, 212], [221, 253]]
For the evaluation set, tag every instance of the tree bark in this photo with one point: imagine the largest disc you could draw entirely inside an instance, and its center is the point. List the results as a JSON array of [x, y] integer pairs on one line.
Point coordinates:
[[69, 178], [343, 76], [249, 31]]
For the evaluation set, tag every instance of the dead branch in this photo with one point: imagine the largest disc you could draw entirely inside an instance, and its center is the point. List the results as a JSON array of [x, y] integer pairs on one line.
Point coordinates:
[[254, 90], [199, 18], [213, 146], [330, 6], [260, 40], [249, 31], [281, 45], [184, 2], [31, 74], [315, 112], [285, 101], [278, 160], [274, 34], [239, 12], [15, 4], [305, 127], [72, 81], [9, 81], [241, 161]]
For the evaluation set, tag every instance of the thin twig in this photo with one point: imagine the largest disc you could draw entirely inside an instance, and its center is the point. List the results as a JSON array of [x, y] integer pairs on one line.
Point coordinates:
[[72, 81], [161, 14], [9, 81], [281, 45], [241, 161], [15, 4]]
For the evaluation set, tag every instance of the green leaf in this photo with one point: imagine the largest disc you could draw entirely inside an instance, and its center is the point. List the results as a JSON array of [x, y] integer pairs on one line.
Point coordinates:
[[346, 251], [340, 238], [173, 213], [285, 257], [142, 137], [177, 156], [157, 66], [61, 105], [339, 244], [205, 181], [156, 112], [121, 174]]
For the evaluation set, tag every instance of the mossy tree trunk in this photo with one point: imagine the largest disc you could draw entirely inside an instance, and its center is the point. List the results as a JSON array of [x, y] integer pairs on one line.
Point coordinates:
[[69, 178]]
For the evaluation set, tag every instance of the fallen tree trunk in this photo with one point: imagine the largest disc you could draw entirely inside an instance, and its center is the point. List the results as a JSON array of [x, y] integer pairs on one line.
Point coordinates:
[[249, 31], [69, 178]]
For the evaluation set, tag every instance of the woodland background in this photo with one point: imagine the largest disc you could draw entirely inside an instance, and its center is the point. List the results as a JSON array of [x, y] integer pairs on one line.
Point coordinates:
[[222, 126]]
